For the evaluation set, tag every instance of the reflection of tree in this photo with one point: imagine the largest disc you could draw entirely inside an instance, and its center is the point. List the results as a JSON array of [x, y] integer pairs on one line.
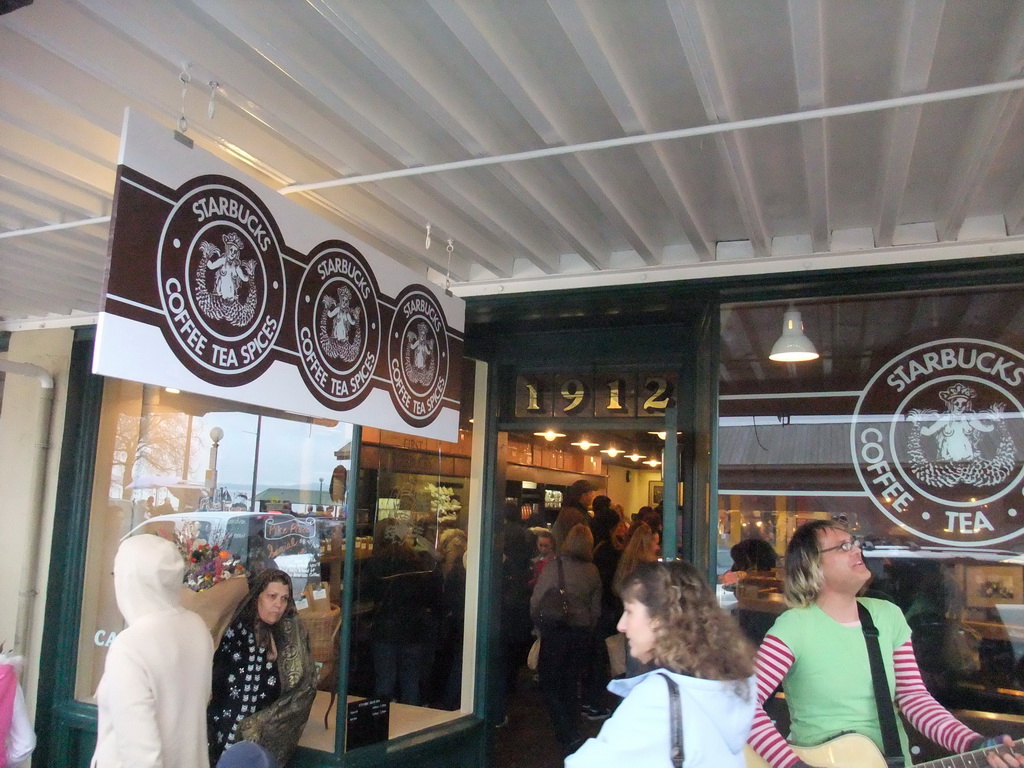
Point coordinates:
[[151, 444]]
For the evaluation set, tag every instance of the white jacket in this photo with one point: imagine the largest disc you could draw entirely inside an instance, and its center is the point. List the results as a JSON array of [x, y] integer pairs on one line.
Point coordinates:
[[156, 681], [716, 721]]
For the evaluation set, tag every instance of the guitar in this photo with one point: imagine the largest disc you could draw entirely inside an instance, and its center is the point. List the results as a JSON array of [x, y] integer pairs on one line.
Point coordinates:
[[851, 750]]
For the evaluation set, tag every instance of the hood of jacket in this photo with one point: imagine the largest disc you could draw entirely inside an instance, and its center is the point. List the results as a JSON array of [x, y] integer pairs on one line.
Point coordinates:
[[728, 713], [148, 576]]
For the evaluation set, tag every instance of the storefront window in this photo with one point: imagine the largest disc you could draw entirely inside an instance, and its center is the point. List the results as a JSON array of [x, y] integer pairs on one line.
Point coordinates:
[[238, 489], [410, 604], [909, 429]]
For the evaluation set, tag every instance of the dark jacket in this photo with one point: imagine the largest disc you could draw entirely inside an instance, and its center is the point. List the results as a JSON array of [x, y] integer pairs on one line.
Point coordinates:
[[516, 626], [405, 595]]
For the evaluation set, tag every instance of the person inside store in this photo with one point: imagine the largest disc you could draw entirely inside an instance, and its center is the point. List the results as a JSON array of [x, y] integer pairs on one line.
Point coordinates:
[[404, 589], [544, 550], [565, 606], [517, 547], [152, 697], [821, 639], [674, 624], [750, 558], [445, 685], [264, 676], [648, 515], [575, 509], [749, 555], [642, 546], [606, 558]]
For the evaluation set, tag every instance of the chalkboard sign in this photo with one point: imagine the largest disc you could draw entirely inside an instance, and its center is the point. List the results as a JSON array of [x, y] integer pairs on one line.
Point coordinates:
[[367, 723]]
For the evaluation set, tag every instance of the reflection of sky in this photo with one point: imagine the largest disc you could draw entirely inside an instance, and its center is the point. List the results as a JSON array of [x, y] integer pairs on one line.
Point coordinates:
[[292, 453]]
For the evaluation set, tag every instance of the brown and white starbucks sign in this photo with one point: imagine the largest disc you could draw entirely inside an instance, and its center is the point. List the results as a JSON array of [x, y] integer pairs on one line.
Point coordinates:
[[218, 285], [935, 441], [337, 324], [221, 280]]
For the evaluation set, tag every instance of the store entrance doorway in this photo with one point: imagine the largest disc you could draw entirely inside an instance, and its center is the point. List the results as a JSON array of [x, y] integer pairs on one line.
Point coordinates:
[[627, 465]]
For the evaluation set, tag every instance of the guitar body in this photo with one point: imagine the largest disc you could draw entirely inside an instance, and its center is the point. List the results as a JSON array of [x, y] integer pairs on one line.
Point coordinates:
[[851, 750]]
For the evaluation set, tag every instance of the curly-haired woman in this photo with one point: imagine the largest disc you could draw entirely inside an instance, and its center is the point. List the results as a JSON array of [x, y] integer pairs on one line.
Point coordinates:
[[672, 620]]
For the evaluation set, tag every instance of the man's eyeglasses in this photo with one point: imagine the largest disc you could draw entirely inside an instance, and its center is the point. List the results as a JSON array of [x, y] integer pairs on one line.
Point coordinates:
[[846, 546]]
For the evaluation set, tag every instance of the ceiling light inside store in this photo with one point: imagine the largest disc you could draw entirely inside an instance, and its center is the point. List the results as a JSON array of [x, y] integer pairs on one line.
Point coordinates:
[[659, 434], [612, 451], [652, 463], [550, 435], [635, 457], [585, 444], [793, 346]]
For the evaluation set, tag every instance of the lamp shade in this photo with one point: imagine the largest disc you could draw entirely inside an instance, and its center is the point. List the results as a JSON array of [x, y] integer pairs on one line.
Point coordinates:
[[793, 346]]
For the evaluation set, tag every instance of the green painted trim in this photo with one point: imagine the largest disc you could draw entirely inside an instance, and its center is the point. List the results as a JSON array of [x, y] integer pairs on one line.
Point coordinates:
[[58, 715], [348, 591], [446, 743], [714, 362], [488, 646]]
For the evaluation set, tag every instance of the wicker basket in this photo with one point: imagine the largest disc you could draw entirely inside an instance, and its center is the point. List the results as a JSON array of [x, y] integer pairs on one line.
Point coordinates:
[[322, 628]]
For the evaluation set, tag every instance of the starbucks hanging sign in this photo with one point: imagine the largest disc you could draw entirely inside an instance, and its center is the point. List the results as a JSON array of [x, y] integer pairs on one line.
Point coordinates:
[[218, 285], [936, 441]]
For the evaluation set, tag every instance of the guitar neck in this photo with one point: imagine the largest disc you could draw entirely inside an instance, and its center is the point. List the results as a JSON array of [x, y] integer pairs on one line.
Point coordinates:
[[974, 759]]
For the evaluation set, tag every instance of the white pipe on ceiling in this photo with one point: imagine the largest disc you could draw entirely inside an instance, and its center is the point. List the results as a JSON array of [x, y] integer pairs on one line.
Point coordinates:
[[681, 133], [622, 141]]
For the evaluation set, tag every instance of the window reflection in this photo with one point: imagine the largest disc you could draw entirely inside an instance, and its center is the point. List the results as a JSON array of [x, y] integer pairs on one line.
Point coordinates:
[[869, 435], [410, 600], [238, 490]]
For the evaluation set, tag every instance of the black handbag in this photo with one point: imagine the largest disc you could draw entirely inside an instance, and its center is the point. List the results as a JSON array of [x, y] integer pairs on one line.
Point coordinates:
[[675, 712], [553, 610], [883, 697]]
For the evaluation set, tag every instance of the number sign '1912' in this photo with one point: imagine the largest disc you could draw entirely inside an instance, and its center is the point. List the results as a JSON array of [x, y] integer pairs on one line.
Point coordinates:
[[594, 394]]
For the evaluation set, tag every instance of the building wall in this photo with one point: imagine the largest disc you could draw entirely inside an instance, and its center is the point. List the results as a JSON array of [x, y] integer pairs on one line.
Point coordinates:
[[22, 438]]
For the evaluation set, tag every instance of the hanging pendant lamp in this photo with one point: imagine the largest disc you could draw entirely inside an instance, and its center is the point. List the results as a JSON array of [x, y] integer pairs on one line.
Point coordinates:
[[793, 346]]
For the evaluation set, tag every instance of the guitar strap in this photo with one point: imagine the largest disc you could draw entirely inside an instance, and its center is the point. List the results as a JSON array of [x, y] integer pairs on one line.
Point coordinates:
[[676, 714], [883, 697]]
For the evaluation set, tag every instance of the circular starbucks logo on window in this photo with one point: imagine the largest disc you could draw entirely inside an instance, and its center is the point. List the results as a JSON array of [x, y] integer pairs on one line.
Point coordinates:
[[221, 281], [418, 356], [935, 441], [337, 323]]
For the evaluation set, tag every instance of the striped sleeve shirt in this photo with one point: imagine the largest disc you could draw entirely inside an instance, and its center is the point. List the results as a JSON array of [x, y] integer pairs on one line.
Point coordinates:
[[774, 659]]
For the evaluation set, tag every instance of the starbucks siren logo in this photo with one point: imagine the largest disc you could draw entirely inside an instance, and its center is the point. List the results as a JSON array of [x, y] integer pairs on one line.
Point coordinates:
[[337, 323], [221, 281], [934, 441], [418, 356]]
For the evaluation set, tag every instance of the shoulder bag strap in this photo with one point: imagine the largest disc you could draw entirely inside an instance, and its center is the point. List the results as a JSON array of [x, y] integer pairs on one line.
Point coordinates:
[[883, 697], [561, 586], [676, 721]]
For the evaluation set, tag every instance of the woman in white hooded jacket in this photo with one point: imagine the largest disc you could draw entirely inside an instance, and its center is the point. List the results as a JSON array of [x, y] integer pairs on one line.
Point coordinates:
[[672, 619], [156, 680]]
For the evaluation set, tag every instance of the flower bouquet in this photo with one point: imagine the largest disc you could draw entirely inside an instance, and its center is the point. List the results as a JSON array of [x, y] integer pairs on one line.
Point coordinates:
[[206, 564], [214, 582]]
